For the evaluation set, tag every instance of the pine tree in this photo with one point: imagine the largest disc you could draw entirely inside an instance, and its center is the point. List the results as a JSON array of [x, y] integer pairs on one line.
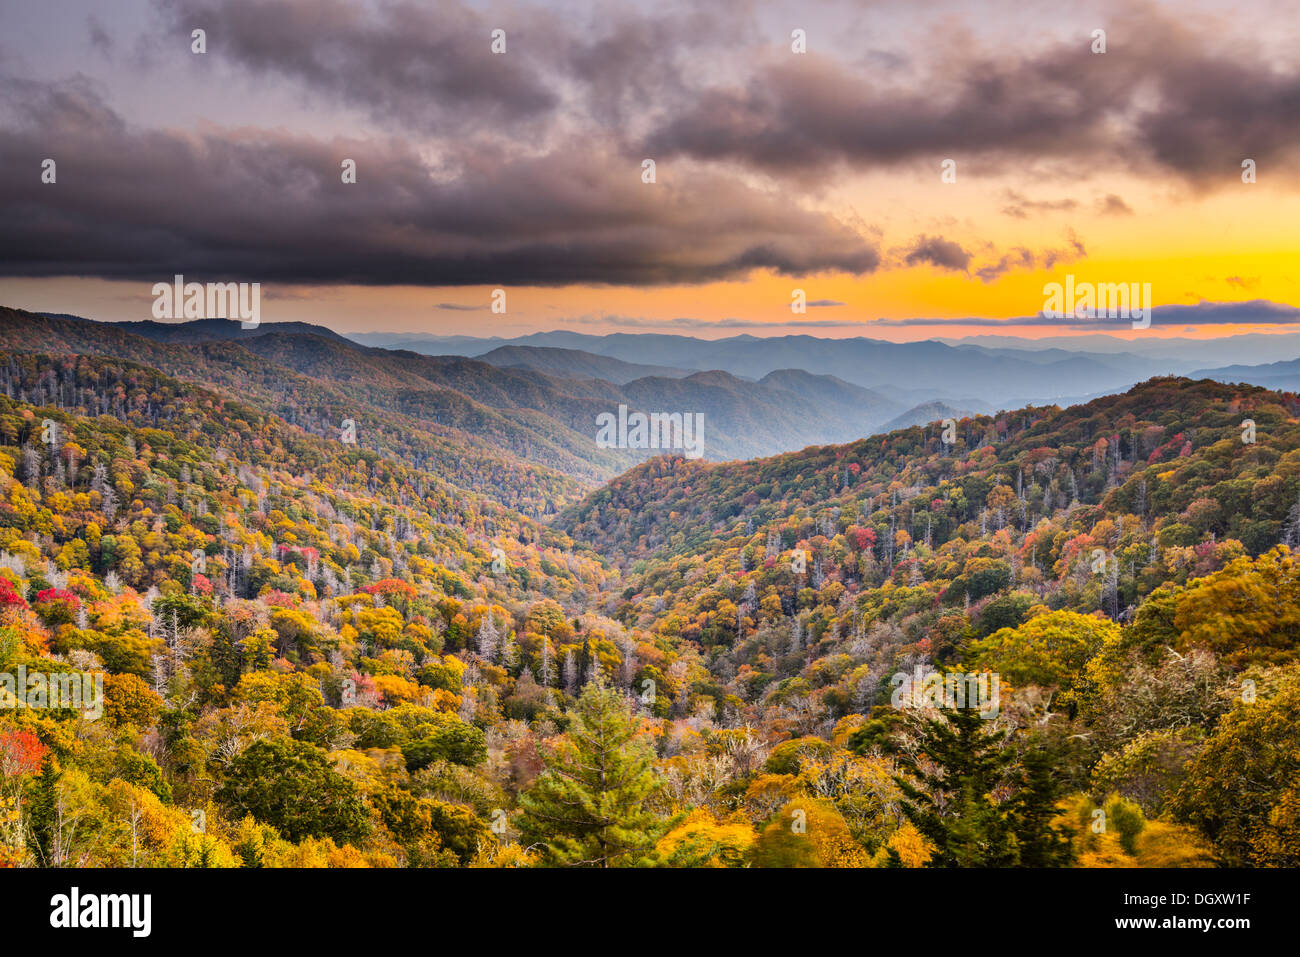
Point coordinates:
[[43, 816], [1034, 807], [949, 802], [589, 807]]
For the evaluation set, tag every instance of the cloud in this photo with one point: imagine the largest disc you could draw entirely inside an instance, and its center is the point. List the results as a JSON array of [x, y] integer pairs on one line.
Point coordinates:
[[1259, 312], [948, 254], [423, 66], [99, 38], [936, 251], [1169, 100], [1023, 258], [1019, 207], [429, 66], [523, 168], [1113, 205], [269, 206], [1018, 258]]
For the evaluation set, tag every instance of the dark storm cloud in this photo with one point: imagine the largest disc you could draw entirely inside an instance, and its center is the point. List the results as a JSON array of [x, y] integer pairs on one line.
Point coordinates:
[[524, 168], [429, 67], [808, 113], [628, 65], [268, 205], [1161, 101]]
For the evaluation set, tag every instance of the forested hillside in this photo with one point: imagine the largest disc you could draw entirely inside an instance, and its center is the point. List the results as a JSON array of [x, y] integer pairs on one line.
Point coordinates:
[[318, 653], [478, 424]]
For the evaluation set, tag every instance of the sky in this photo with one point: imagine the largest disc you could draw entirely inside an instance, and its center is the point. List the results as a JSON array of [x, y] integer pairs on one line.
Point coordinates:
[[775, 170]]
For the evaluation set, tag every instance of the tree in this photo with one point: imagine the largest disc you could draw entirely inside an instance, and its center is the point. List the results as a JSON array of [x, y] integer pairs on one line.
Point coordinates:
[[1033, 811], [590, 806], [703, 841], [1249, 612], [43, 816], [292, 786], [449, 739], [1049, 650], [953, 771], [129, 700], [807, 833], [1240, 789]]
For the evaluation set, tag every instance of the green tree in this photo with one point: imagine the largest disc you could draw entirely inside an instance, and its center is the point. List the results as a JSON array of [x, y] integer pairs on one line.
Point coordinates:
[[43, 814], [947, 797], [292, 786], [1240, 789], [1034, 807], [449, 740], [589, 807], [1048, 650]]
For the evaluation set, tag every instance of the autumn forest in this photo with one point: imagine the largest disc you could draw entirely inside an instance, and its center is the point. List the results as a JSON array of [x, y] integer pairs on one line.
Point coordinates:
[[317, 653]]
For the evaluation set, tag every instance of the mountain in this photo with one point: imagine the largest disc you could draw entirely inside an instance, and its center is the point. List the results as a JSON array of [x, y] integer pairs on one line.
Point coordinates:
[[464, 413], [528, 461], [1273, 375], [941, 370], [1158, 448], [426, 344], [575, 364], [924, 414], [218, 330], [1246, 348], [784, 410], [974, 373], [363, 654]]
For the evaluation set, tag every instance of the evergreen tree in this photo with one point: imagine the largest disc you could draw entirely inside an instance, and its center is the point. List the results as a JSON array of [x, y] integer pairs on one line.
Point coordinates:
[[589, 807], [43, 815], [293, 787], [949, 798], [1033, 809]]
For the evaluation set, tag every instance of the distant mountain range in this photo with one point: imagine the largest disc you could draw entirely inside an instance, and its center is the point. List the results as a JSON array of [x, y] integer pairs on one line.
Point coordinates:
[[464, 400], [1273, 375], [980, 373], [460, 414], [576, 364]]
